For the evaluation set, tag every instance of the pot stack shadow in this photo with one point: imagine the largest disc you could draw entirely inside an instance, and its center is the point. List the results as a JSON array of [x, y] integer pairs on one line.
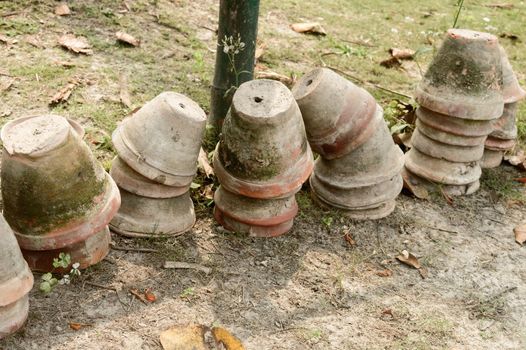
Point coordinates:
[[460, 97], [157, 151], [16, 280], [57, 198], [359, 167], [504, 134], [261, 160]]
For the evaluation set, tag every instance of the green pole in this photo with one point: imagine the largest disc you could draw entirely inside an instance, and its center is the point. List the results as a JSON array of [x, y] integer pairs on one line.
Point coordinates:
[[235, 57]]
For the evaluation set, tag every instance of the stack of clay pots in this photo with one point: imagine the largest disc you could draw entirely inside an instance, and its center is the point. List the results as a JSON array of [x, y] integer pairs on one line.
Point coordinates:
[[504, 133], [358, 170], [460, 97], [261, 160], [16, 281], [57, 198], [157, 151]]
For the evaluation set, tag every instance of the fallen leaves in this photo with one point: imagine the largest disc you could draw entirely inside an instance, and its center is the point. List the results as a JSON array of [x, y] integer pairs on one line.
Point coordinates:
[[145, 297], [127, 39], [520, 234], [64, 93], [75, 44], [314, 28], [62, 10], [384, 273], [414, 186], [517, 159], [410, 260], [349, 239], [78, 326], [204, 164], [199, 337]]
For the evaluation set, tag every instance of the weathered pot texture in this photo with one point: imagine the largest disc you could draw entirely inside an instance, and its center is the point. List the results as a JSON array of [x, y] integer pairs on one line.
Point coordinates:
[[153, 217], [263, 151], [55, 194], [505, 127], [451, 190], [131, 181], [16, 280], [452, 153], [376, 161], [455, 126], [491, 159], [255, 217], [496, 144], [440, 170], [464, 79], [338, 115], [161, 141], [446, 137], [511, 90]]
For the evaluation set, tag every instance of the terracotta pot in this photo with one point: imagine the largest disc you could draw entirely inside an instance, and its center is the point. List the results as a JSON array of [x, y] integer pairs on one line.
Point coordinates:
[[338, 115], [256, 217], [55, 194], [16, 280], [131, 181], [161, 141], [496, 144], [263, 151], [505, 127], [440, 170], [464, 79], [450, 190], [153, 217], [448, 138], [491, 159], [454, 126], [436, 149], [377, 160], [511, 90]]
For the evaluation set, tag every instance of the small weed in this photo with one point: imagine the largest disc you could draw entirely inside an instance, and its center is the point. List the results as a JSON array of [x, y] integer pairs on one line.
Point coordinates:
[[187, 293], [327, 221], [49, 282]]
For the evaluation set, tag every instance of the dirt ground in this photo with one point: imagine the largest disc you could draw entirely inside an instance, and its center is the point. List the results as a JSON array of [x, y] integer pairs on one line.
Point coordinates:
[[312, 288]]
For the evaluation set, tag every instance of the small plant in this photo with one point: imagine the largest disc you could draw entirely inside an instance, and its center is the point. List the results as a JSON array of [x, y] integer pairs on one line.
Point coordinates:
[[232, 46], [49, 282], [187, 293], [327, 221]]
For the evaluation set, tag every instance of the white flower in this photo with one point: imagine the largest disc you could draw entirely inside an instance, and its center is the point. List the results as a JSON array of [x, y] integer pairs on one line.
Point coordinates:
[[76, 265]]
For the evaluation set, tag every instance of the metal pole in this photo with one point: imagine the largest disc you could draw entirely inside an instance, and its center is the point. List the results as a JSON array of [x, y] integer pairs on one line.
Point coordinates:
[[235, 57]]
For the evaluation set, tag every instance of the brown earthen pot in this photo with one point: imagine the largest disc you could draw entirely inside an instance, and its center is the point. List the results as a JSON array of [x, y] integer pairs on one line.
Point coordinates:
[[338, 115], [454, 126], [161, 141], [464, 79], [505, 127], [511, 90], [263, 151], [491, 159], [16, 280]]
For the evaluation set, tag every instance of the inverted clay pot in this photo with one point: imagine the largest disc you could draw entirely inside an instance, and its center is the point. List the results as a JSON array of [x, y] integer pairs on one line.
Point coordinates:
[[256, 217], [263, 151], [16, 280], [448, 138], [161, 141], [378, 160], [440, 170], [511, 90], [455, 126], [505, 127], [496, 144], [491, 159], [153, 217], [436, 149], [451, 190], [338, 115], [131, 181], [55, 194], [464, 79]]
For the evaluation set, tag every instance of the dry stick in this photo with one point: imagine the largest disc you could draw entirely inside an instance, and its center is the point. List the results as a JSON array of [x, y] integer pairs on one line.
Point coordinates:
[[139, 250], [138, 296]]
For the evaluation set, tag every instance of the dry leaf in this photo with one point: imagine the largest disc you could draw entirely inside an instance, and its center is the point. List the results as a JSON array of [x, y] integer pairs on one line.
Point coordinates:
[[226, 339], [414, 186], [446, 196], [64, 93], [149, 296], [402, 54], [127, 38], [289, 81], [520, 234], [349, 239], [75, 44], [308, 28], [384, 273], [521, 180], [124, 94], [77, 326], [517, 159], [403, 139], [207, 192], [391, 62], [62, 10], [409, 259], [204, 164]]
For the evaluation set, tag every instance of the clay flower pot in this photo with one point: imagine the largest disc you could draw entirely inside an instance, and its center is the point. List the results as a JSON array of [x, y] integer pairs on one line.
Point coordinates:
[[452, 153], [153, 217], [16, 280], [505, 127], [133, 182], [337, 114], [451, 190], [55, 194], [464, 79], [462, 130], [440, 170], [256, 217], [491, 159], [161, 141], [511, 90], [263, 151]]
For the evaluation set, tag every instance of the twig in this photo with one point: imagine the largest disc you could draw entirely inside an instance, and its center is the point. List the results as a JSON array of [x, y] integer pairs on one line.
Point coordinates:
[[139, 250], [460, 4], [185, 265], [101, 286], [139, 296]]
